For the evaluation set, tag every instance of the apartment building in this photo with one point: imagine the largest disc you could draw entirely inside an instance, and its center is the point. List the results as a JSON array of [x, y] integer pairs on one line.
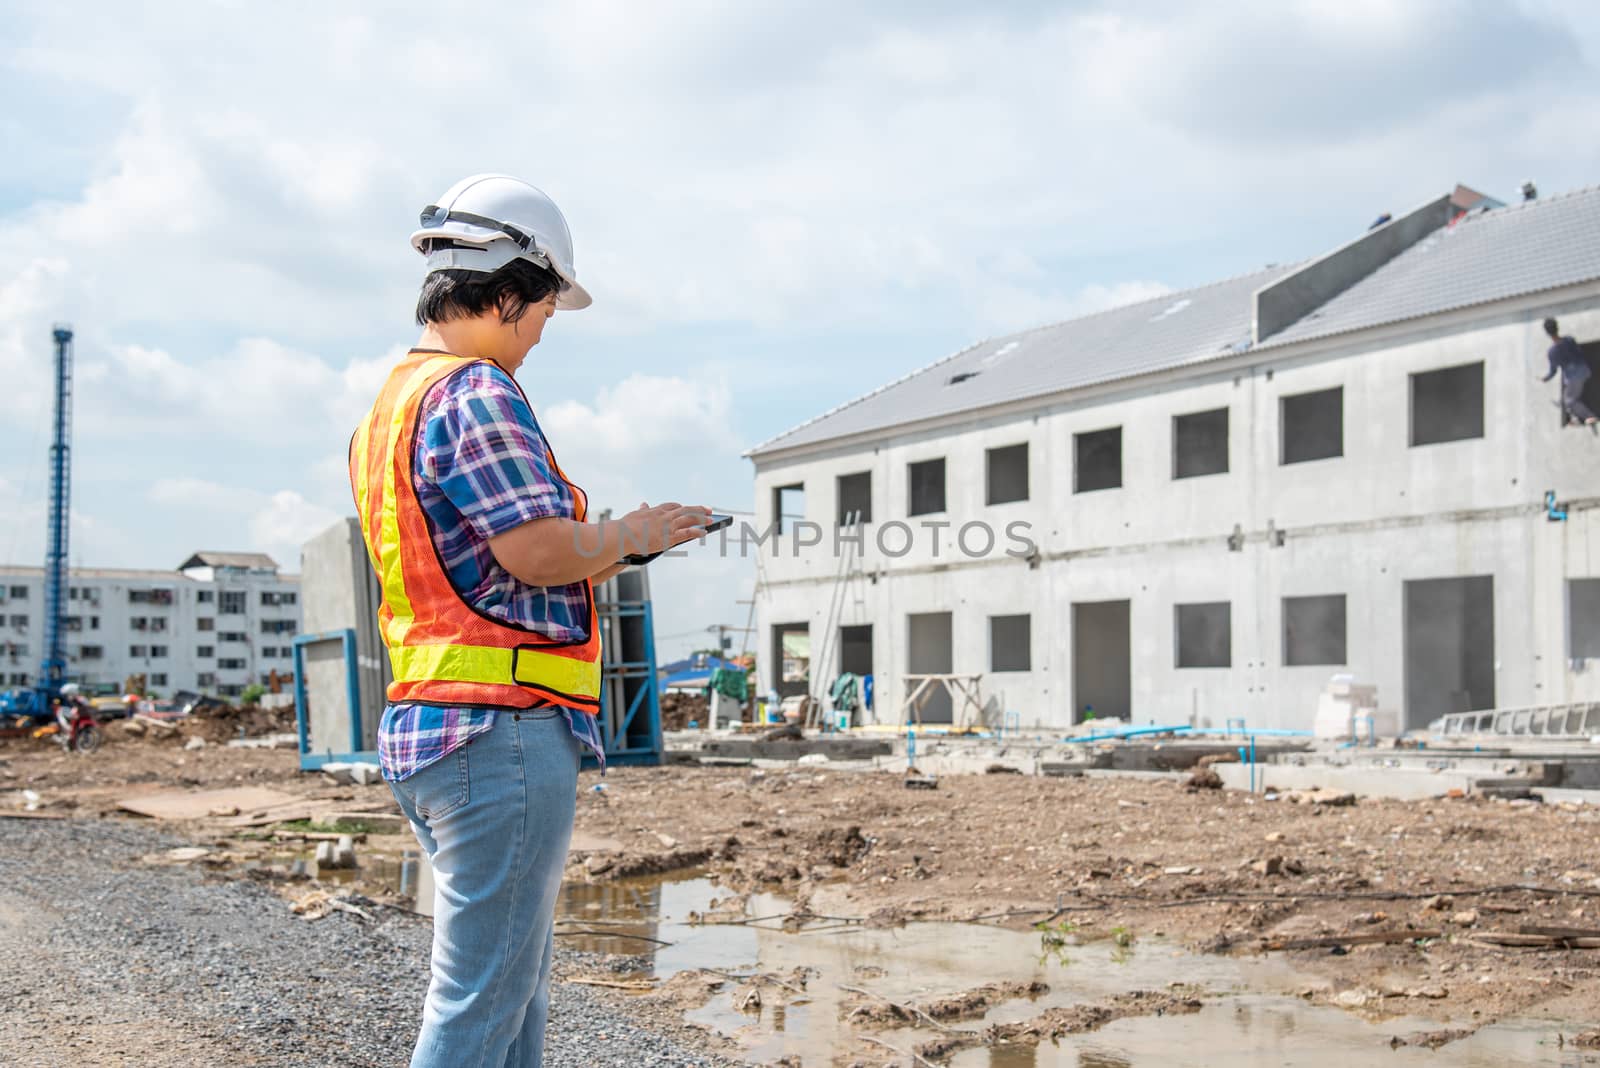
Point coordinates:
[[1202, 507], [216, 624]]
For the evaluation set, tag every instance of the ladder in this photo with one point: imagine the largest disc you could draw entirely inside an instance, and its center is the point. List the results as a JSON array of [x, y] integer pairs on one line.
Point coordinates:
[[1569, 721], [849, 568]]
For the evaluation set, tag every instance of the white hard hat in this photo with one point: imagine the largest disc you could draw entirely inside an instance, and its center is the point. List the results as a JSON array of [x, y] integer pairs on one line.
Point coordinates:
[[484, 222], [69, 690]]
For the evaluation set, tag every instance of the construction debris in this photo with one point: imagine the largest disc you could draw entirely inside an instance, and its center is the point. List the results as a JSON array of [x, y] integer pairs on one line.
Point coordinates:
[[154, 728], [316, 904], [1332, 798], [357, 774]]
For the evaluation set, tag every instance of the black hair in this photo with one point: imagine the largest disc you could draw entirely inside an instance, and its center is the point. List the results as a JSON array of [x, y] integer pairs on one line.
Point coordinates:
[[454, 294], [1551, 328]]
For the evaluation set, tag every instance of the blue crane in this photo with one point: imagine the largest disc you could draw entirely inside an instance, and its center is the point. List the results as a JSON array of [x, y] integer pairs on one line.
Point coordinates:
[[35, 704], [53, 667]]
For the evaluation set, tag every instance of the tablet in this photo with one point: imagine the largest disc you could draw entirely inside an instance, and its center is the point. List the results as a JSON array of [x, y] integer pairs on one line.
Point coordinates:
[[718, 522]]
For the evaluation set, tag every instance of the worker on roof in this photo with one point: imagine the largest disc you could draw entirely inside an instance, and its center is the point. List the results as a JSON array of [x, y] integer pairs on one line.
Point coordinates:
[[488, 562], [1567, 359]]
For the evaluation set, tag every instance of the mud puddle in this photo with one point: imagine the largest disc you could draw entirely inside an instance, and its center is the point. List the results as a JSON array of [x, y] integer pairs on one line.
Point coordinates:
[[1251, 1014], [634, 916], [1256, 1031]]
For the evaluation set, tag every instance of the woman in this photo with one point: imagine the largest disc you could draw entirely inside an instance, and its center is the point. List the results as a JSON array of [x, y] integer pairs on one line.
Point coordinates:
[[487, 563]]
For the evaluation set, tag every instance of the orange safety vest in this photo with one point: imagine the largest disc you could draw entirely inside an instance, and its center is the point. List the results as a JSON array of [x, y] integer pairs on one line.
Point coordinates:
[[444, 651]]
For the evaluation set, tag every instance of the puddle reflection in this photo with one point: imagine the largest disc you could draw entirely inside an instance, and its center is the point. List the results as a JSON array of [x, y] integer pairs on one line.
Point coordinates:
[[1251, 1018], [631, 917], [1253, 1031]]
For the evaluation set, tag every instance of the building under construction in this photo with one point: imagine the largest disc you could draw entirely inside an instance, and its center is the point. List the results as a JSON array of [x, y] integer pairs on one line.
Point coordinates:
[[1203, 506]]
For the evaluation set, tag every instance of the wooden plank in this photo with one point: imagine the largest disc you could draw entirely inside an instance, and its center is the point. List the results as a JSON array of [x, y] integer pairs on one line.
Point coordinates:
[[1559, 932], [1507, 938], [284, 813], [1366, 939], [316, 836], [198, 804], [21, 814]]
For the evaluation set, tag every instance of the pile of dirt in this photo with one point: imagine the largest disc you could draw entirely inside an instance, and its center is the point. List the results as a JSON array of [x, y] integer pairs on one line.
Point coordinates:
[[215, 724], [678, 710], [218, 723], [1056, 1023], [967, 1004]]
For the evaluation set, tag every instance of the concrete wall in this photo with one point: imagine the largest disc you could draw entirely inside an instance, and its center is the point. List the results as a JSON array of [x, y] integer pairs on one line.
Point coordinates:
[[1292, 297], [341, 593], [1359, 525]]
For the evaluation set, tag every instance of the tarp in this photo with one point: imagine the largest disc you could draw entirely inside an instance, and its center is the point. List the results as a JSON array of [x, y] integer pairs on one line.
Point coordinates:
[[693, 673], [731, 682]]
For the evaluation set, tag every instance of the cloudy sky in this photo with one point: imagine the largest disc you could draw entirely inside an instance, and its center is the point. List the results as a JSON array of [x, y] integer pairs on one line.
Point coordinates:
[[777, 206]]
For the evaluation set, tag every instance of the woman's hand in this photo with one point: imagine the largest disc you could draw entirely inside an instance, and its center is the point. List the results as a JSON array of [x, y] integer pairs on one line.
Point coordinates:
[[555, 551], [654, 529]]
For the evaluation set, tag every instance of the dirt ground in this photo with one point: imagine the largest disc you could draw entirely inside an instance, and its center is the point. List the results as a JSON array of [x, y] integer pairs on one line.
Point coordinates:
[[1392, 908], [1216, 870]]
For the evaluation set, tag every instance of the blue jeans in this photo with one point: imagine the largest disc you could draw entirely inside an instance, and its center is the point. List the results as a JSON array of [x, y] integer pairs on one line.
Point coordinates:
[[495, 818]]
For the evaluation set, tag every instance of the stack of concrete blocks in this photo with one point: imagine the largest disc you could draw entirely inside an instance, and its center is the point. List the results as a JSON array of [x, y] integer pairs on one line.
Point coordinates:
[[337, 854], [339, 591], [1348, 710]]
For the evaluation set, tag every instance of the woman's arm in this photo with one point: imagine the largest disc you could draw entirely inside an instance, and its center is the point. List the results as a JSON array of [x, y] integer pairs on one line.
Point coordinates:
[[613, 570], [554, 551]]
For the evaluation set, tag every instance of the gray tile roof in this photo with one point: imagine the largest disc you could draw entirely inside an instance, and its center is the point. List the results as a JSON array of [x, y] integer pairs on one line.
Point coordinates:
[[1168, 331], [1486, 256], [1508, 252]]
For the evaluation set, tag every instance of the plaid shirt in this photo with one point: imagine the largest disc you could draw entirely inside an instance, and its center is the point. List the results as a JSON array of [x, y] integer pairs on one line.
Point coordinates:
[[482, 468]]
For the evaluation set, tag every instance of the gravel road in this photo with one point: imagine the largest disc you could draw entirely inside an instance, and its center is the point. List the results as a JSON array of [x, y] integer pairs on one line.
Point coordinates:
[[105, 960]]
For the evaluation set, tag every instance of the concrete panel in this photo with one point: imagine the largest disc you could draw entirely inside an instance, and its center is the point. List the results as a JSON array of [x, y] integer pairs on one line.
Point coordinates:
[[340, 591], [1363, 782], [1294, 295], [327, 703]]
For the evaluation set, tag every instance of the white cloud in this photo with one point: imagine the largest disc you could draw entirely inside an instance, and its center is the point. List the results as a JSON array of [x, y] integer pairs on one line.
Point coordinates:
[[260, 390], [618, 447], [276, 523], [286, 522]]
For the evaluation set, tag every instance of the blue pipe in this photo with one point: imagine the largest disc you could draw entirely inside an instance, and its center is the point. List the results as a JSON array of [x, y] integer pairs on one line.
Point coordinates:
[[1131, 732], [1184, 728]]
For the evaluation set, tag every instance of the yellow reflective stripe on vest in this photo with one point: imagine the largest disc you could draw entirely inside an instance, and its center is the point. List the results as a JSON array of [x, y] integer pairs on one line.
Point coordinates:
[[358, 467], [486, 664], [391, 573]]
